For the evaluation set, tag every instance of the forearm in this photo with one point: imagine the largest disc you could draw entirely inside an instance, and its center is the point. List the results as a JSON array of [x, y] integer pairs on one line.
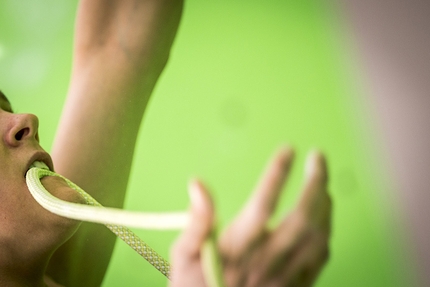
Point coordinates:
[[139, 33], [121, 48]]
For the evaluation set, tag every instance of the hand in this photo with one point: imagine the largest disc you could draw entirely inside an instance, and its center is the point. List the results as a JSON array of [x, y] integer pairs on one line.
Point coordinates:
[[292, 254]]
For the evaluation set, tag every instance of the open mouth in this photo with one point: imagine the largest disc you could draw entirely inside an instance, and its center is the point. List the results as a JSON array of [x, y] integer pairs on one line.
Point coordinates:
[[39, 164], [40, 159]]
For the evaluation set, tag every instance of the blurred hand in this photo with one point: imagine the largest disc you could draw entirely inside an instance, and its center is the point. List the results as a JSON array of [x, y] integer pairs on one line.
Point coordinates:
[[292, 254]]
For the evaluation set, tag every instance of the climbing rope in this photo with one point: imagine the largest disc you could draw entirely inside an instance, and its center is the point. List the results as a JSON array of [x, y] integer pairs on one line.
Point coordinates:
[[116, 220]]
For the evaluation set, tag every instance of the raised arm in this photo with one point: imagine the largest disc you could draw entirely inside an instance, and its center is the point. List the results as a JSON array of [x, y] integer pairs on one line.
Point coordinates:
[[121, 47]]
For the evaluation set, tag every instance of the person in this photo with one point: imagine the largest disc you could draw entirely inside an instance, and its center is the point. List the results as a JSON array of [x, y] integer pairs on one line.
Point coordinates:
[[121, 47]]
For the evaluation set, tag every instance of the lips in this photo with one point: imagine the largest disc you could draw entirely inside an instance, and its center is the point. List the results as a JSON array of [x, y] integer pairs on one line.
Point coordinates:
[[42, 157]]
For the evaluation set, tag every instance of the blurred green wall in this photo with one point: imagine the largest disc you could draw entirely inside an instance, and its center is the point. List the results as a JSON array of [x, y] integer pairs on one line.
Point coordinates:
[[243, 78]]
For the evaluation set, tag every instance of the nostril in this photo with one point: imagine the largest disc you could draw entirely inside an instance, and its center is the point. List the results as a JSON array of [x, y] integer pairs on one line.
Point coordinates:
[[22, 133]]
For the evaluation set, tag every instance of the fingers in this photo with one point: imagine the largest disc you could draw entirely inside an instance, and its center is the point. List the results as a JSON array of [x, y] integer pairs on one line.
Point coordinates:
[[293, 255], [188, 246], [277, 251], [251, 222], [185, 253], [297, 249], [262, 203], [314, 214], [315, 202], [316, 179], [311, 217]]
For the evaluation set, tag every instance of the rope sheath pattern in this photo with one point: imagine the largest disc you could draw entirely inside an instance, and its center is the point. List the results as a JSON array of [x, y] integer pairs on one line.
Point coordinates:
[[68, 209]]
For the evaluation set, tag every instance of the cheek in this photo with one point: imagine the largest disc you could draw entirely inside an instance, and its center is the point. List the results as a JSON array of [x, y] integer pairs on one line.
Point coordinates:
[[21, 216], [45, 222], [12, 192], [18, 209]]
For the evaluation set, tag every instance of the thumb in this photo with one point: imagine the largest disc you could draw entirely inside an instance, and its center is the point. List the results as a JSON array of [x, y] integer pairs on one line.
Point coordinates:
[[202, 216], [200, 224]]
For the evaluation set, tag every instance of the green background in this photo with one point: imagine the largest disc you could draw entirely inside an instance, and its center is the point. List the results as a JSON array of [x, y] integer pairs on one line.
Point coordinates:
[[244, 77]]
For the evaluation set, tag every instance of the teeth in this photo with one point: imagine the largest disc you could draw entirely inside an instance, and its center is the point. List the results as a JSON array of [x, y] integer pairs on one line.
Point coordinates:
[[39, 164]]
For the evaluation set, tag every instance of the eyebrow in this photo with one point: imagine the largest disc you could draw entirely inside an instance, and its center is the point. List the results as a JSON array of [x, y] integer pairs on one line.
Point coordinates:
[[4, 98]]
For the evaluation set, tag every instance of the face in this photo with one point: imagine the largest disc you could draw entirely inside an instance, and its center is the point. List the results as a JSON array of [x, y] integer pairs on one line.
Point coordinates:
[[20, 214]]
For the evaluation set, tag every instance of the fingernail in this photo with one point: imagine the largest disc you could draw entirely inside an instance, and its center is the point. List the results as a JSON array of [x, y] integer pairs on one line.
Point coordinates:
[[311, 163]]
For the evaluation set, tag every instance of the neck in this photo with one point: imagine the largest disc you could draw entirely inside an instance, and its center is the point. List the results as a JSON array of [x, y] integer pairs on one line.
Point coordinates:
[[19, 281], [15, 271], [24, 259]]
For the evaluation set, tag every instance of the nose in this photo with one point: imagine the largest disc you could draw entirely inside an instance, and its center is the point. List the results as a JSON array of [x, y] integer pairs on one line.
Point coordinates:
[[23, 127]]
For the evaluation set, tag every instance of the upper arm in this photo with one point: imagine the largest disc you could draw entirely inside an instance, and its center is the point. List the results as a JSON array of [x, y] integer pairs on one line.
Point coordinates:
[[120, 50]]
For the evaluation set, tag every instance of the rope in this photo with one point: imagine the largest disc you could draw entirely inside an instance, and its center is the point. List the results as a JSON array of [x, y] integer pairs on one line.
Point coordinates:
[[116, 219]]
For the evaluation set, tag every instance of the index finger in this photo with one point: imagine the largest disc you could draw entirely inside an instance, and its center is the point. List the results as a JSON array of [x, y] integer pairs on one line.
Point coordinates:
[[251, 222], [262, 203]]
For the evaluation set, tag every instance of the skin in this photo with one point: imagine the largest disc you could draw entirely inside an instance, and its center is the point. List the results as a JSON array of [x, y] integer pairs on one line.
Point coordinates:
[[29, 234], [292, 254], [121, 47]]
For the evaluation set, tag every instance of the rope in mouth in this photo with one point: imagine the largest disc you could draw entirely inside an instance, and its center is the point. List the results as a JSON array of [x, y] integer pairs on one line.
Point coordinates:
[[116, 219]]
